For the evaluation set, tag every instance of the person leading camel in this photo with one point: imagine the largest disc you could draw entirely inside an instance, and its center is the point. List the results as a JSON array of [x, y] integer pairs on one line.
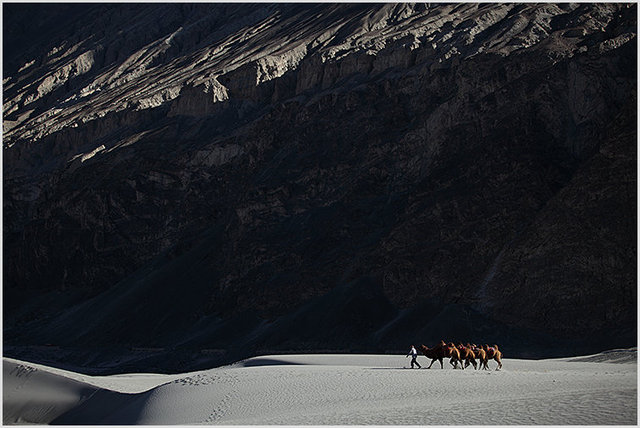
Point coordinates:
[[414, 357]]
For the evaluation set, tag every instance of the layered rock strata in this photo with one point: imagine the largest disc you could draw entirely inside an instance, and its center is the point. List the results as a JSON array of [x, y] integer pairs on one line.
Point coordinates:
[[181, 165]]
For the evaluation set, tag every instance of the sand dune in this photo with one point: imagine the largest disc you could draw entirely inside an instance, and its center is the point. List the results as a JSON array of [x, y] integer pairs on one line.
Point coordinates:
[[333, 389]]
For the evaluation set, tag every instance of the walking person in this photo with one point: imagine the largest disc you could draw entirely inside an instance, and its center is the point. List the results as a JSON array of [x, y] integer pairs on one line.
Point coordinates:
[[414, 357]]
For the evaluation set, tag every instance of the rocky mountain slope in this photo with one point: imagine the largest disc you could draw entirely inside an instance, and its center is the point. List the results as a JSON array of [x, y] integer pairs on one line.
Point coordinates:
[[319, 176]]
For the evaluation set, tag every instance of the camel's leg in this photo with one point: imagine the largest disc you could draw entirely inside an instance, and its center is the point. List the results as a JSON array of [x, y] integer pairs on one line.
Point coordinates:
[[441, 365], [432, 361]]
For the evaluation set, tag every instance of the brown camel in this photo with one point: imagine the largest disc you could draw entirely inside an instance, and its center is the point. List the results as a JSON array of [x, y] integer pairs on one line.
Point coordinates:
[[481, 355], [467, 356], [437, 353], [454, 353], [495, 354]]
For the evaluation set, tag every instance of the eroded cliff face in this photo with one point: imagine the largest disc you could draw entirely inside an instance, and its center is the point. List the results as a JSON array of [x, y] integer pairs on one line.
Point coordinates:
[[203, 162]]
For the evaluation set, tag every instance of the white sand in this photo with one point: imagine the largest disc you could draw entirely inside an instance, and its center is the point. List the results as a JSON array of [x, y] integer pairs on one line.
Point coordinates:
[[334, 390]]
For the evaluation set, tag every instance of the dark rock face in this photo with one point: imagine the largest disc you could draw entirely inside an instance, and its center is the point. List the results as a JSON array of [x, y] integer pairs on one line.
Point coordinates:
[[321, 176]]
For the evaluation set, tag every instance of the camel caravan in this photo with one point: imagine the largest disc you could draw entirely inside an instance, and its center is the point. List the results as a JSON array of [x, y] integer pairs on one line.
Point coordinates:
[[464, 355]]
